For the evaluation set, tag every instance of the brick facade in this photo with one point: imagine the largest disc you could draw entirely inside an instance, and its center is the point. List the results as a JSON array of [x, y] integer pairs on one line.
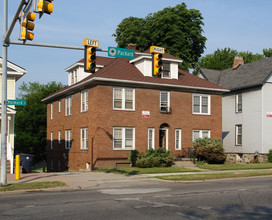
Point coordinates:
[[101, 118]]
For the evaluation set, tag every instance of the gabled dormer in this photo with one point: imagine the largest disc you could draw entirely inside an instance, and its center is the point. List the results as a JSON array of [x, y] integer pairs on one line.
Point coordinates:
[[76, 72], [170, 66], [143, 62]]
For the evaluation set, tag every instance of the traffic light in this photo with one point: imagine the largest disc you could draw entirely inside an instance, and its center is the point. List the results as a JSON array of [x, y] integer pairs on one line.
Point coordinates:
[[89, 59], [45, 6], [28, 26], [157, 60]]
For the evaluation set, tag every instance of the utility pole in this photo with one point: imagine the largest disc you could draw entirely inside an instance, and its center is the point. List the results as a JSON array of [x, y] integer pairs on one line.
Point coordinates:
[[4, 98]]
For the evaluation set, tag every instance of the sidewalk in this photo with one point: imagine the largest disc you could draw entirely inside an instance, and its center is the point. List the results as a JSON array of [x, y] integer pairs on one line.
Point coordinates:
[[75, 180], [86, 180]]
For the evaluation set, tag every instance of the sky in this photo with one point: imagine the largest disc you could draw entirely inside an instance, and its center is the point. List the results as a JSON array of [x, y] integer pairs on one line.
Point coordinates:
[[243, 25]]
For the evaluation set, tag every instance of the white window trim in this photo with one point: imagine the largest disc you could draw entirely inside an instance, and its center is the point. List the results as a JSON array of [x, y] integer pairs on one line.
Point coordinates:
[[51, 109], [123, 99], [236, 135], [162, 75], [59, 105], [200, 104], [124, 139], [237, 104], [153, 138], [51, 138], [68, 106], [68, 139], [84, 101], [168, 101], [59, 137], [201, 133], [84, 141], [179, 139]]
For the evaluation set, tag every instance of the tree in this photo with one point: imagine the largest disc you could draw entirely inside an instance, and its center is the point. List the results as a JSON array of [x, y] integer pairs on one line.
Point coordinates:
[[222, 59], [178, 29], [30, 120], [267, 52]]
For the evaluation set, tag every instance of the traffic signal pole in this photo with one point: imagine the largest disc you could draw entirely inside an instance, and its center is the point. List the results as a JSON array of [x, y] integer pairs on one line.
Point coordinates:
[[5, 44], [4, 99]]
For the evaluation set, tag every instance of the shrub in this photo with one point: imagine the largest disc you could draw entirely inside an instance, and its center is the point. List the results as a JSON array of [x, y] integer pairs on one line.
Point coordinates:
[[155, 158], [133, 157], [269, 159], [209, 150]]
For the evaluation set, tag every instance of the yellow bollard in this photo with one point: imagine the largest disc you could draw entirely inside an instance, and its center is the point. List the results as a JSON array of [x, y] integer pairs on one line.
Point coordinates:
[[17, 167]]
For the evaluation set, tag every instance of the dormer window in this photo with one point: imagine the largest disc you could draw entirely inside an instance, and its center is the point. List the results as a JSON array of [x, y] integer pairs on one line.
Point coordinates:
[[166, 70]]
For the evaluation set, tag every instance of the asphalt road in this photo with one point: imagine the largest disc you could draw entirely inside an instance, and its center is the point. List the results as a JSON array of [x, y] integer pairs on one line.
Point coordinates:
[[247, 198]]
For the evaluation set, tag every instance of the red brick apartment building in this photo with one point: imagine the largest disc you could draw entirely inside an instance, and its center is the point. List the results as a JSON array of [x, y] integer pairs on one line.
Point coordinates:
[[99, 118]]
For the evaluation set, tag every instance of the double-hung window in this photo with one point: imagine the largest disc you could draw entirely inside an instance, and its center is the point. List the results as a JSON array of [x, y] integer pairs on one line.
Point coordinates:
[[164, 101], [166, 70], [238, 135], [238, 103], [84, 101], [201, 104], [123, 138], [51, 108], [51, 138], [68, 105], [201, 134], [59, 105], [59, 137], [124, 98], [68, 139], [151, 138], [84, 138], [177, 139]]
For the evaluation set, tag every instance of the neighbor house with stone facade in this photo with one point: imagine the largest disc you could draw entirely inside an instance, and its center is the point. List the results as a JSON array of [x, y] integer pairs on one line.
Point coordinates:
[[247, 108], [99, 118]]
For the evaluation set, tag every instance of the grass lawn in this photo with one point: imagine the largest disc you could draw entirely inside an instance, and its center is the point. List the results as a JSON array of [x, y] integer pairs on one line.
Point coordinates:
[[212, 175], [235, 166], [136, 170], [34, 185]]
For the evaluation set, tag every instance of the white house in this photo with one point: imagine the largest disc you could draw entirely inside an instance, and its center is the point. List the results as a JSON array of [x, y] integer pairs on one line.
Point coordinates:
[[14, 72], [247, 109]]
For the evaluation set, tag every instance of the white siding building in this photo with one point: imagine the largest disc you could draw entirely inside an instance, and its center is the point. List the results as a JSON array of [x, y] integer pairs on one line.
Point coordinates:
[[246, 110], [14, 73]]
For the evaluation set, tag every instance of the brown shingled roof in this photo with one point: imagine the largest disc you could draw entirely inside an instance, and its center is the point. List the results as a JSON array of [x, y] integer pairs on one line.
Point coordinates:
[[120, 69]]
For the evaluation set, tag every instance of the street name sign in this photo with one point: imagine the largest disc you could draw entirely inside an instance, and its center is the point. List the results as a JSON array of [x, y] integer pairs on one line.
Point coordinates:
[[16, 102], [121, 52]]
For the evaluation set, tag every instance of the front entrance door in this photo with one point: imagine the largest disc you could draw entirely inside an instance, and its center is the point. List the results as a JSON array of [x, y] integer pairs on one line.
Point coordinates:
[[164, 138]]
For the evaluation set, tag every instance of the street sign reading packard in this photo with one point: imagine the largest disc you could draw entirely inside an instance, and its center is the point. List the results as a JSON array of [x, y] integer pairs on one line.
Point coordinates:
[[16, 102], [121, 52]]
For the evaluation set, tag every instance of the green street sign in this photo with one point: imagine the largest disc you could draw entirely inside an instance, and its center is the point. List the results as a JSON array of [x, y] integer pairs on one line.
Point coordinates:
[[16, 102], [121, 52]]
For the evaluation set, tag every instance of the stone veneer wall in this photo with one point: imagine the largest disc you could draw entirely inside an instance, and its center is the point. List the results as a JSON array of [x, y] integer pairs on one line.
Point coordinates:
[[245, 158]]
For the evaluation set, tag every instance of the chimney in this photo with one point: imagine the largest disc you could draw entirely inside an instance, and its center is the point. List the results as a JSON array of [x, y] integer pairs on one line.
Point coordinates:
[[131, 46], [238, 60]]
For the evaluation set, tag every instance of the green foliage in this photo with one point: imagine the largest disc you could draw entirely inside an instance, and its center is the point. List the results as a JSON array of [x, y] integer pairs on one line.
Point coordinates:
[[222, 59], [155, 158], [178, 29], [133, 155], [269, 159], [267, 52], [30, 120], [209, 150]]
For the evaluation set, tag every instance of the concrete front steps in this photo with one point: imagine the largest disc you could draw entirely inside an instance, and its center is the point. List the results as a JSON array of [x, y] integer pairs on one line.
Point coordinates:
[[186, 163]]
